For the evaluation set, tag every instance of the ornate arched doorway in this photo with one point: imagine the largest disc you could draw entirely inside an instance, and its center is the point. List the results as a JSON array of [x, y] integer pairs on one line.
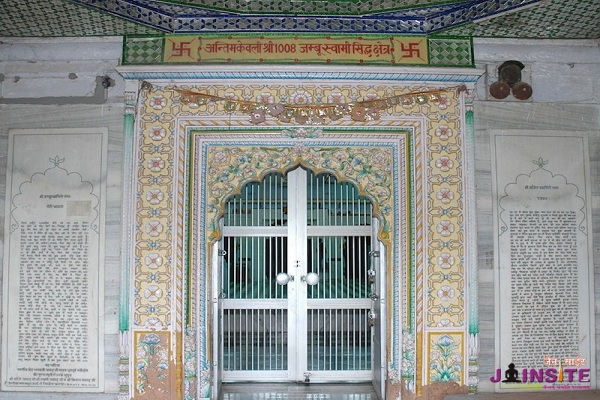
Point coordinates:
[[294, 331], [192, 152]]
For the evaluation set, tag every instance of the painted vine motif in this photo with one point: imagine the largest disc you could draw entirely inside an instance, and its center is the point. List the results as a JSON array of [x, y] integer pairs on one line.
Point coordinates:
[[446, 361], [152, 363]]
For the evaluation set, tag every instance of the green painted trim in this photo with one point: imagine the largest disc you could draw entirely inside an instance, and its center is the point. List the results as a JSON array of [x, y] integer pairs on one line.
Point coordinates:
[[469, 63], [124, 291], [190, 162], [411, 317], [472, 275]]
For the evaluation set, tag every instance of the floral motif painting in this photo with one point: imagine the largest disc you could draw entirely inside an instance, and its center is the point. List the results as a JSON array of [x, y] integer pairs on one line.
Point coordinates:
[[428, 292]]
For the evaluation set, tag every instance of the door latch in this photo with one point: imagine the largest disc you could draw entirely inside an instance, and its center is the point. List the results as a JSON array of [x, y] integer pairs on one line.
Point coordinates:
[[307, 377], [371, 318], [371, 274]]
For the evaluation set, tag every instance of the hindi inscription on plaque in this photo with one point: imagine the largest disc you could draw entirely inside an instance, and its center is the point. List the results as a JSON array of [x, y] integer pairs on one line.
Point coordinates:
[[53, 264], [543, 255]]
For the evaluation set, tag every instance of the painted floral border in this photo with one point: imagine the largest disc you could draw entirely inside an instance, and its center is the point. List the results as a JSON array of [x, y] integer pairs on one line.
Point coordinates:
[[158, 264]]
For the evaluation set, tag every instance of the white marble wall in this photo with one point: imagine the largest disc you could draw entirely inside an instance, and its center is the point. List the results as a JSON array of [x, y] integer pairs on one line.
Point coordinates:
[[52, 83], [37, 99], [565, 77]]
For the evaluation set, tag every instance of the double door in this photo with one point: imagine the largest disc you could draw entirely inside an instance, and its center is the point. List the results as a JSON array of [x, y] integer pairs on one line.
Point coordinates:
[[300, 281]]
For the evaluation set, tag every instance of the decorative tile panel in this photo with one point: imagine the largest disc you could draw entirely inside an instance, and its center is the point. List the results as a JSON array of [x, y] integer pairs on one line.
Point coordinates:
[[307, 16], [445, 300], [445, 52], [553, 19], [152, 362], [144, 50], [484, 18], [445, 357], [46, 18]]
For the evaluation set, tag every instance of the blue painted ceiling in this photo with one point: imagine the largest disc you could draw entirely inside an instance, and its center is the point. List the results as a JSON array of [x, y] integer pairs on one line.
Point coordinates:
[[547, 19]]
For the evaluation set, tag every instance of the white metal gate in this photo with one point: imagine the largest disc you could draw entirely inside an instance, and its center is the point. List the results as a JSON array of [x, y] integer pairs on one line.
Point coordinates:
[[297, 282]]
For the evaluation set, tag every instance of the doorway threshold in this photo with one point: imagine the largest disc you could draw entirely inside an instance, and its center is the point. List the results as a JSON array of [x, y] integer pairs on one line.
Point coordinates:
[[312, 391]]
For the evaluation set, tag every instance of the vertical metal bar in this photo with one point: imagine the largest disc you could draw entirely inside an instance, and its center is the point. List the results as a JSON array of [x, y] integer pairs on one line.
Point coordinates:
[[335, 280], [327, 266], [275, 339], [346, 257], [330, 322], [337, 339], [238, 340], [231, 339], [262, 342], [227, 326], [228, 221], [270, 197], [233, 267], [273, 334], [252, 339], [272, 340], [358, 328], [345, 339], [355, 345], [318, 343], [243, 275], [309, 339], [250, 206], [314, 197], [359, 272], [233, 346], [284, 339], [232, 221], [345, 196], [279, 341], [367, 339], [259, 340], [364, 324], [309, 197], [246, 364], [226, 340], [331, 197]]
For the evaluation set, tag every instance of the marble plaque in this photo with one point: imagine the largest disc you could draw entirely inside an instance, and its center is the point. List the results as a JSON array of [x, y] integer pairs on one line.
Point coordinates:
[[53, 297], [543, 261]]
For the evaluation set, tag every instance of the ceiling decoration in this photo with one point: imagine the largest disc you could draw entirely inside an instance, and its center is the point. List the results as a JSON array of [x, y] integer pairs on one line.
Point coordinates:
[[360, 16], [381, 8], [478, 18], [60, 18], [553, 19]]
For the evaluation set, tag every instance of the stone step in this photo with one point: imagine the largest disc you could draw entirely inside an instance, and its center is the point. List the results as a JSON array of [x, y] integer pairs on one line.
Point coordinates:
[[546, 395]]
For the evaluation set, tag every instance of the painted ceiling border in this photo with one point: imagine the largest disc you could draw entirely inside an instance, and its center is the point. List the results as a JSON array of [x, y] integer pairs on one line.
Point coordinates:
[[175, 18]]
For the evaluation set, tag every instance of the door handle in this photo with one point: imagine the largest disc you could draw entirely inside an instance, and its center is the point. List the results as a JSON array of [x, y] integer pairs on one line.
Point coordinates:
[[283, 278], [311, 279]]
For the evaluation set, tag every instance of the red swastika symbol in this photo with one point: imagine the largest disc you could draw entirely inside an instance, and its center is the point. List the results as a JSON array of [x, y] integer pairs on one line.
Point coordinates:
[[411, 50], [181, 49]]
